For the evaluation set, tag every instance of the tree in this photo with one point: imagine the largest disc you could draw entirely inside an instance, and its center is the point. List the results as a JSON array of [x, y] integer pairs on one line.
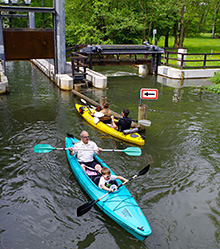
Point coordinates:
[[216, 9]]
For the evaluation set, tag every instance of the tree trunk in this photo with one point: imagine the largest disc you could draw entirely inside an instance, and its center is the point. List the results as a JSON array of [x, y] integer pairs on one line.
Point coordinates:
[[167, 40], [215, 18], [175, 31], [149, 31], [144, 10], [181, 36], [143, 6]]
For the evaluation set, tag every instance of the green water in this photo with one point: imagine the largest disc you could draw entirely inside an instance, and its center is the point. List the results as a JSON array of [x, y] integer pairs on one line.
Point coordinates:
[[39, 195]]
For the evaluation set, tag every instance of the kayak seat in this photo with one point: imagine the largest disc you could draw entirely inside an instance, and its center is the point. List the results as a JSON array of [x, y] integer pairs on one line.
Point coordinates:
[[129, 131], [95, 179], [114, 182]]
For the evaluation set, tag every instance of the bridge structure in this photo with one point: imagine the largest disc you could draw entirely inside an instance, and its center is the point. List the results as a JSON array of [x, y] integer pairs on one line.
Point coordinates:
[[125, 54]]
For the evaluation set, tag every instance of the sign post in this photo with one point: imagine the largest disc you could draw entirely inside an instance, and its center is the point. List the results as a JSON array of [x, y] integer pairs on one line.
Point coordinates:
[[151, 94]]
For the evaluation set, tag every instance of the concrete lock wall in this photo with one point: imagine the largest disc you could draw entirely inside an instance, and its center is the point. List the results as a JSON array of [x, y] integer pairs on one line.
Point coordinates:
[[175, 73], [4, 87], [143, 70], [98, 80]]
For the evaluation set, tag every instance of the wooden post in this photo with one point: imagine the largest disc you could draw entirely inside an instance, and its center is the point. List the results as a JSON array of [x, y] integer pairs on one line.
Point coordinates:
[[103, 99], [90, 57], [142, 114], [77, 87], [152, 70], [204, 62], [167, 59]]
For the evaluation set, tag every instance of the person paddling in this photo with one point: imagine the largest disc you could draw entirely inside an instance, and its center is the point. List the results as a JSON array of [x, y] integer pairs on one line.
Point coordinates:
[[123, 123], [85, 150], [107, 178], [107, 112]]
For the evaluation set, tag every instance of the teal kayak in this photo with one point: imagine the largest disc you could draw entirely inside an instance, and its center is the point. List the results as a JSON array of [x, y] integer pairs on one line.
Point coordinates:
[[118, 205]]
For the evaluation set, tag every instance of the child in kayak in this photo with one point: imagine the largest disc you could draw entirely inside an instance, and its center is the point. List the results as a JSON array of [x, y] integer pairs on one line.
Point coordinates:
[[107, 178]]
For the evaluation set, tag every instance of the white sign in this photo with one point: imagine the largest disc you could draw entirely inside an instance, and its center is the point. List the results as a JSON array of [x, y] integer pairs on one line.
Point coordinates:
[[149, 93]]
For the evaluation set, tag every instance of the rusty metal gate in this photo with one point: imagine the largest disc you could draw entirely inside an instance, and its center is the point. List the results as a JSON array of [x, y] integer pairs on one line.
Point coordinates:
[[25, 44]]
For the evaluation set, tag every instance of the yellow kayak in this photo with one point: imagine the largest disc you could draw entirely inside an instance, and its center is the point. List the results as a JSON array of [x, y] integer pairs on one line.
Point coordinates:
[[85, 112]]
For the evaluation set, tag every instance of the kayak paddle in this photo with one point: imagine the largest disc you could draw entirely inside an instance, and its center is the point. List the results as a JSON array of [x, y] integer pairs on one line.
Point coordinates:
[[84, 102], [87, 206], [46, 148], [131, 151]]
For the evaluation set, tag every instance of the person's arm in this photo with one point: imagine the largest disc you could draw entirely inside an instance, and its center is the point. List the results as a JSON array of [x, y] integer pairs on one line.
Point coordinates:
[[122, 178], [113, 123], [96, 148]]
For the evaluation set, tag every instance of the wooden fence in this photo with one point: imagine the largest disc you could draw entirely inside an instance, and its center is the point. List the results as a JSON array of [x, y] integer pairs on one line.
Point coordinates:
[[191, 60]]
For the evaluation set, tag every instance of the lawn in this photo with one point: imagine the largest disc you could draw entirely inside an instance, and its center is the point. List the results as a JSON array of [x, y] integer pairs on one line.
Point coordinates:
[[202, 44]]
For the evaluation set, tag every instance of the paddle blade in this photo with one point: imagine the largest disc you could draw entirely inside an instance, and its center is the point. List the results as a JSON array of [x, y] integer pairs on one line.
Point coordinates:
[[83, 101], [69, 135], [96, 120], [99, 114], [43, 148], [132, 151], [144, 170], [85, 208], [145, 122]]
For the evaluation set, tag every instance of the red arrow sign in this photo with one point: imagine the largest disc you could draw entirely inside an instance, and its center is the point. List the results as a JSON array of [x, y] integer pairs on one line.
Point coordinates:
[[149, 93]]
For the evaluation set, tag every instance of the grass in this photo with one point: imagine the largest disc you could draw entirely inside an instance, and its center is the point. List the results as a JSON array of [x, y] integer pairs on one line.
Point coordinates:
[[202, 44]]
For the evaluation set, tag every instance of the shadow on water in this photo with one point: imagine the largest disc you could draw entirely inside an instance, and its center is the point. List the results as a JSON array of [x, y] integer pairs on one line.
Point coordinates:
[[39, 194]]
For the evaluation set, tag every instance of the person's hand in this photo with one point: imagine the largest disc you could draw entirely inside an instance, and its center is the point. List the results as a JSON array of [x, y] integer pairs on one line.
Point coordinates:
[[70, 149], [111, 190], [99, 150]]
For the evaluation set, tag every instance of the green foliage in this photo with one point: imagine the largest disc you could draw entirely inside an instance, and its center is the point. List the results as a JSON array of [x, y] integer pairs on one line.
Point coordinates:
[[216, 78], [131, 21], [215, 88]]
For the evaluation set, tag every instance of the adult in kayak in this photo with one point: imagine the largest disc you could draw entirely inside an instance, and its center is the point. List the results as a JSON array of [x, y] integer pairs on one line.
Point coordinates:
[[123, 123], [107, 112], [85, 150]]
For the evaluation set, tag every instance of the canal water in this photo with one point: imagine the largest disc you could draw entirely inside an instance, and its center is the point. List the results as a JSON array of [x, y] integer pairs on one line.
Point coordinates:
[[39, 195]]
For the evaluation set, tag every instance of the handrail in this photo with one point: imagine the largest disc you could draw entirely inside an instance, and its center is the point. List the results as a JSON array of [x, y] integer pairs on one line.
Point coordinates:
[[77, 61], [181, 62]]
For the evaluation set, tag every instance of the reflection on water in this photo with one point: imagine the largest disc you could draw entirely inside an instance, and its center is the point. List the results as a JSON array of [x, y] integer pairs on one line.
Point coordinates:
[[40, 195]]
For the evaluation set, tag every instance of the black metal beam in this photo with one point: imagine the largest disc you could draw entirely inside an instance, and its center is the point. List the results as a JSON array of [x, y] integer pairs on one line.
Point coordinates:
[[27, 9]]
